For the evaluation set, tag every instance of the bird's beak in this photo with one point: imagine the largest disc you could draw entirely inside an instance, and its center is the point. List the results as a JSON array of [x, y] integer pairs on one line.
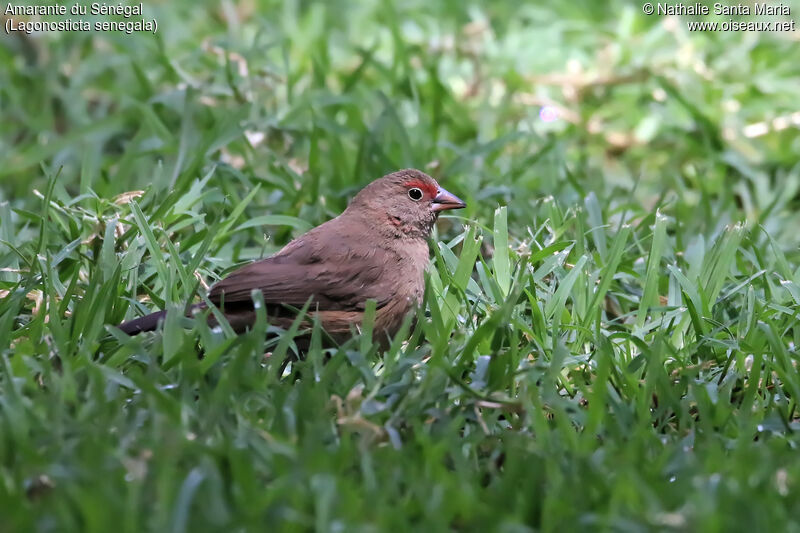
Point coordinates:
[[447, 200]]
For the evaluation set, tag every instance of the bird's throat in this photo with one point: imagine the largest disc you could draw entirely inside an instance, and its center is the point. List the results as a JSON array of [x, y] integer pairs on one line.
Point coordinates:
[[402, 229]]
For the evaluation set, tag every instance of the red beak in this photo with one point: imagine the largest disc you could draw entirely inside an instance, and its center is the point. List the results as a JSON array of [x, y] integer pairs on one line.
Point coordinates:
[[446, 200]]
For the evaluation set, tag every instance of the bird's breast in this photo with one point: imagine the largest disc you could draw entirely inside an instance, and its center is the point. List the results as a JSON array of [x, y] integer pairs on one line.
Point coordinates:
[[407, 282]]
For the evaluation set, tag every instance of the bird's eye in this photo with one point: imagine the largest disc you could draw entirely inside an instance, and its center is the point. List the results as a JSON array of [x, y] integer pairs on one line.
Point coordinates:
[[415, 194]]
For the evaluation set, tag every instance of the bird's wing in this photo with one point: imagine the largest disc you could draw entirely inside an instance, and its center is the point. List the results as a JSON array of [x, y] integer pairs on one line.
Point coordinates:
[[338, 276]]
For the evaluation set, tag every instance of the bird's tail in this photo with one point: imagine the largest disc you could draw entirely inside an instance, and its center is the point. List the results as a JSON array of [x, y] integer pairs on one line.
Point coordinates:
[[150, 322], [143, 323]]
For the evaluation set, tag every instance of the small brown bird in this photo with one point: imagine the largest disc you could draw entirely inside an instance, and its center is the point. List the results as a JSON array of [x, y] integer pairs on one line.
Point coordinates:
[[376, 249]]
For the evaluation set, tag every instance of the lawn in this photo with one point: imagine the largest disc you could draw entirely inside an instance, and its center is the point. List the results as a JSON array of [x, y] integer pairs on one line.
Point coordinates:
[[610, 332]]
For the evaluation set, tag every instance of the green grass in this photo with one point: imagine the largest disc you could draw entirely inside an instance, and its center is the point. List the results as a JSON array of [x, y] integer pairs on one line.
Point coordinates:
[[610, 333]]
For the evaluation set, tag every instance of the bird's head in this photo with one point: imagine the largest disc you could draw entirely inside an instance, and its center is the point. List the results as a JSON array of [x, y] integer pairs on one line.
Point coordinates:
[[408, 202]]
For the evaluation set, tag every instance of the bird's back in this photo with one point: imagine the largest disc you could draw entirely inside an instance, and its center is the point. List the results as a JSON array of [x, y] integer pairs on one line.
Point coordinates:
[[339, 267]]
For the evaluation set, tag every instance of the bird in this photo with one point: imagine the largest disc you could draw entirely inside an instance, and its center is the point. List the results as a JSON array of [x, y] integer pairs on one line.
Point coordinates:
[[376, 249]]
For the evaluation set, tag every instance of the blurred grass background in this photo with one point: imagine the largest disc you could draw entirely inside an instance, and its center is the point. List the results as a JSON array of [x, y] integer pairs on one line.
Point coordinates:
[[610, 332]]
